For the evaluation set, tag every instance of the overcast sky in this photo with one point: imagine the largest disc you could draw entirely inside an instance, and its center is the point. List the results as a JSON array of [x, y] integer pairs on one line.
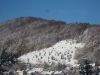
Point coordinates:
[[66, 10]]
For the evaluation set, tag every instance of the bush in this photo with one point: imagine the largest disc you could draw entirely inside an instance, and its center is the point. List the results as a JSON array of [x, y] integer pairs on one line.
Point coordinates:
[[60, 66], [46, 65]]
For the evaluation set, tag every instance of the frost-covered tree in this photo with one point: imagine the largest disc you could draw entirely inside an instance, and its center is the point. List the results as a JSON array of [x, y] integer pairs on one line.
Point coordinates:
[[7, 59]]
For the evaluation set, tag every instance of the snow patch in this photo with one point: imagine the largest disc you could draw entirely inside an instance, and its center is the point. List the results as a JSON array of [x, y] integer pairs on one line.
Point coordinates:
[[62, 52]]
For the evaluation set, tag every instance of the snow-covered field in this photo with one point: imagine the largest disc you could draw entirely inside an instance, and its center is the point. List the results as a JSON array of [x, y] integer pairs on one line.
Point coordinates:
[[62, 52]]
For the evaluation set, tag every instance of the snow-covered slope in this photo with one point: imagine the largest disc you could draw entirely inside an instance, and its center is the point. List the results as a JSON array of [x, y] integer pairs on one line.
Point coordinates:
[[62, 52]]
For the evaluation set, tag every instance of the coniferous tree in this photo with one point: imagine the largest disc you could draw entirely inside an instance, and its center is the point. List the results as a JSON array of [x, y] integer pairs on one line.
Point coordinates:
[[86, 68]]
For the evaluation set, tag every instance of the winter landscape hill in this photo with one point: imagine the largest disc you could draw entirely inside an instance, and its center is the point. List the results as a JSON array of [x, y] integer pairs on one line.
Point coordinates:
[[24, 35]]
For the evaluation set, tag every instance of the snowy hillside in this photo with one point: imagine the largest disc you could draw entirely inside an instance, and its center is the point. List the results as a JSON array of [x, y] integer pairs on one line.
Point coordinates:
[[62, 52]]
